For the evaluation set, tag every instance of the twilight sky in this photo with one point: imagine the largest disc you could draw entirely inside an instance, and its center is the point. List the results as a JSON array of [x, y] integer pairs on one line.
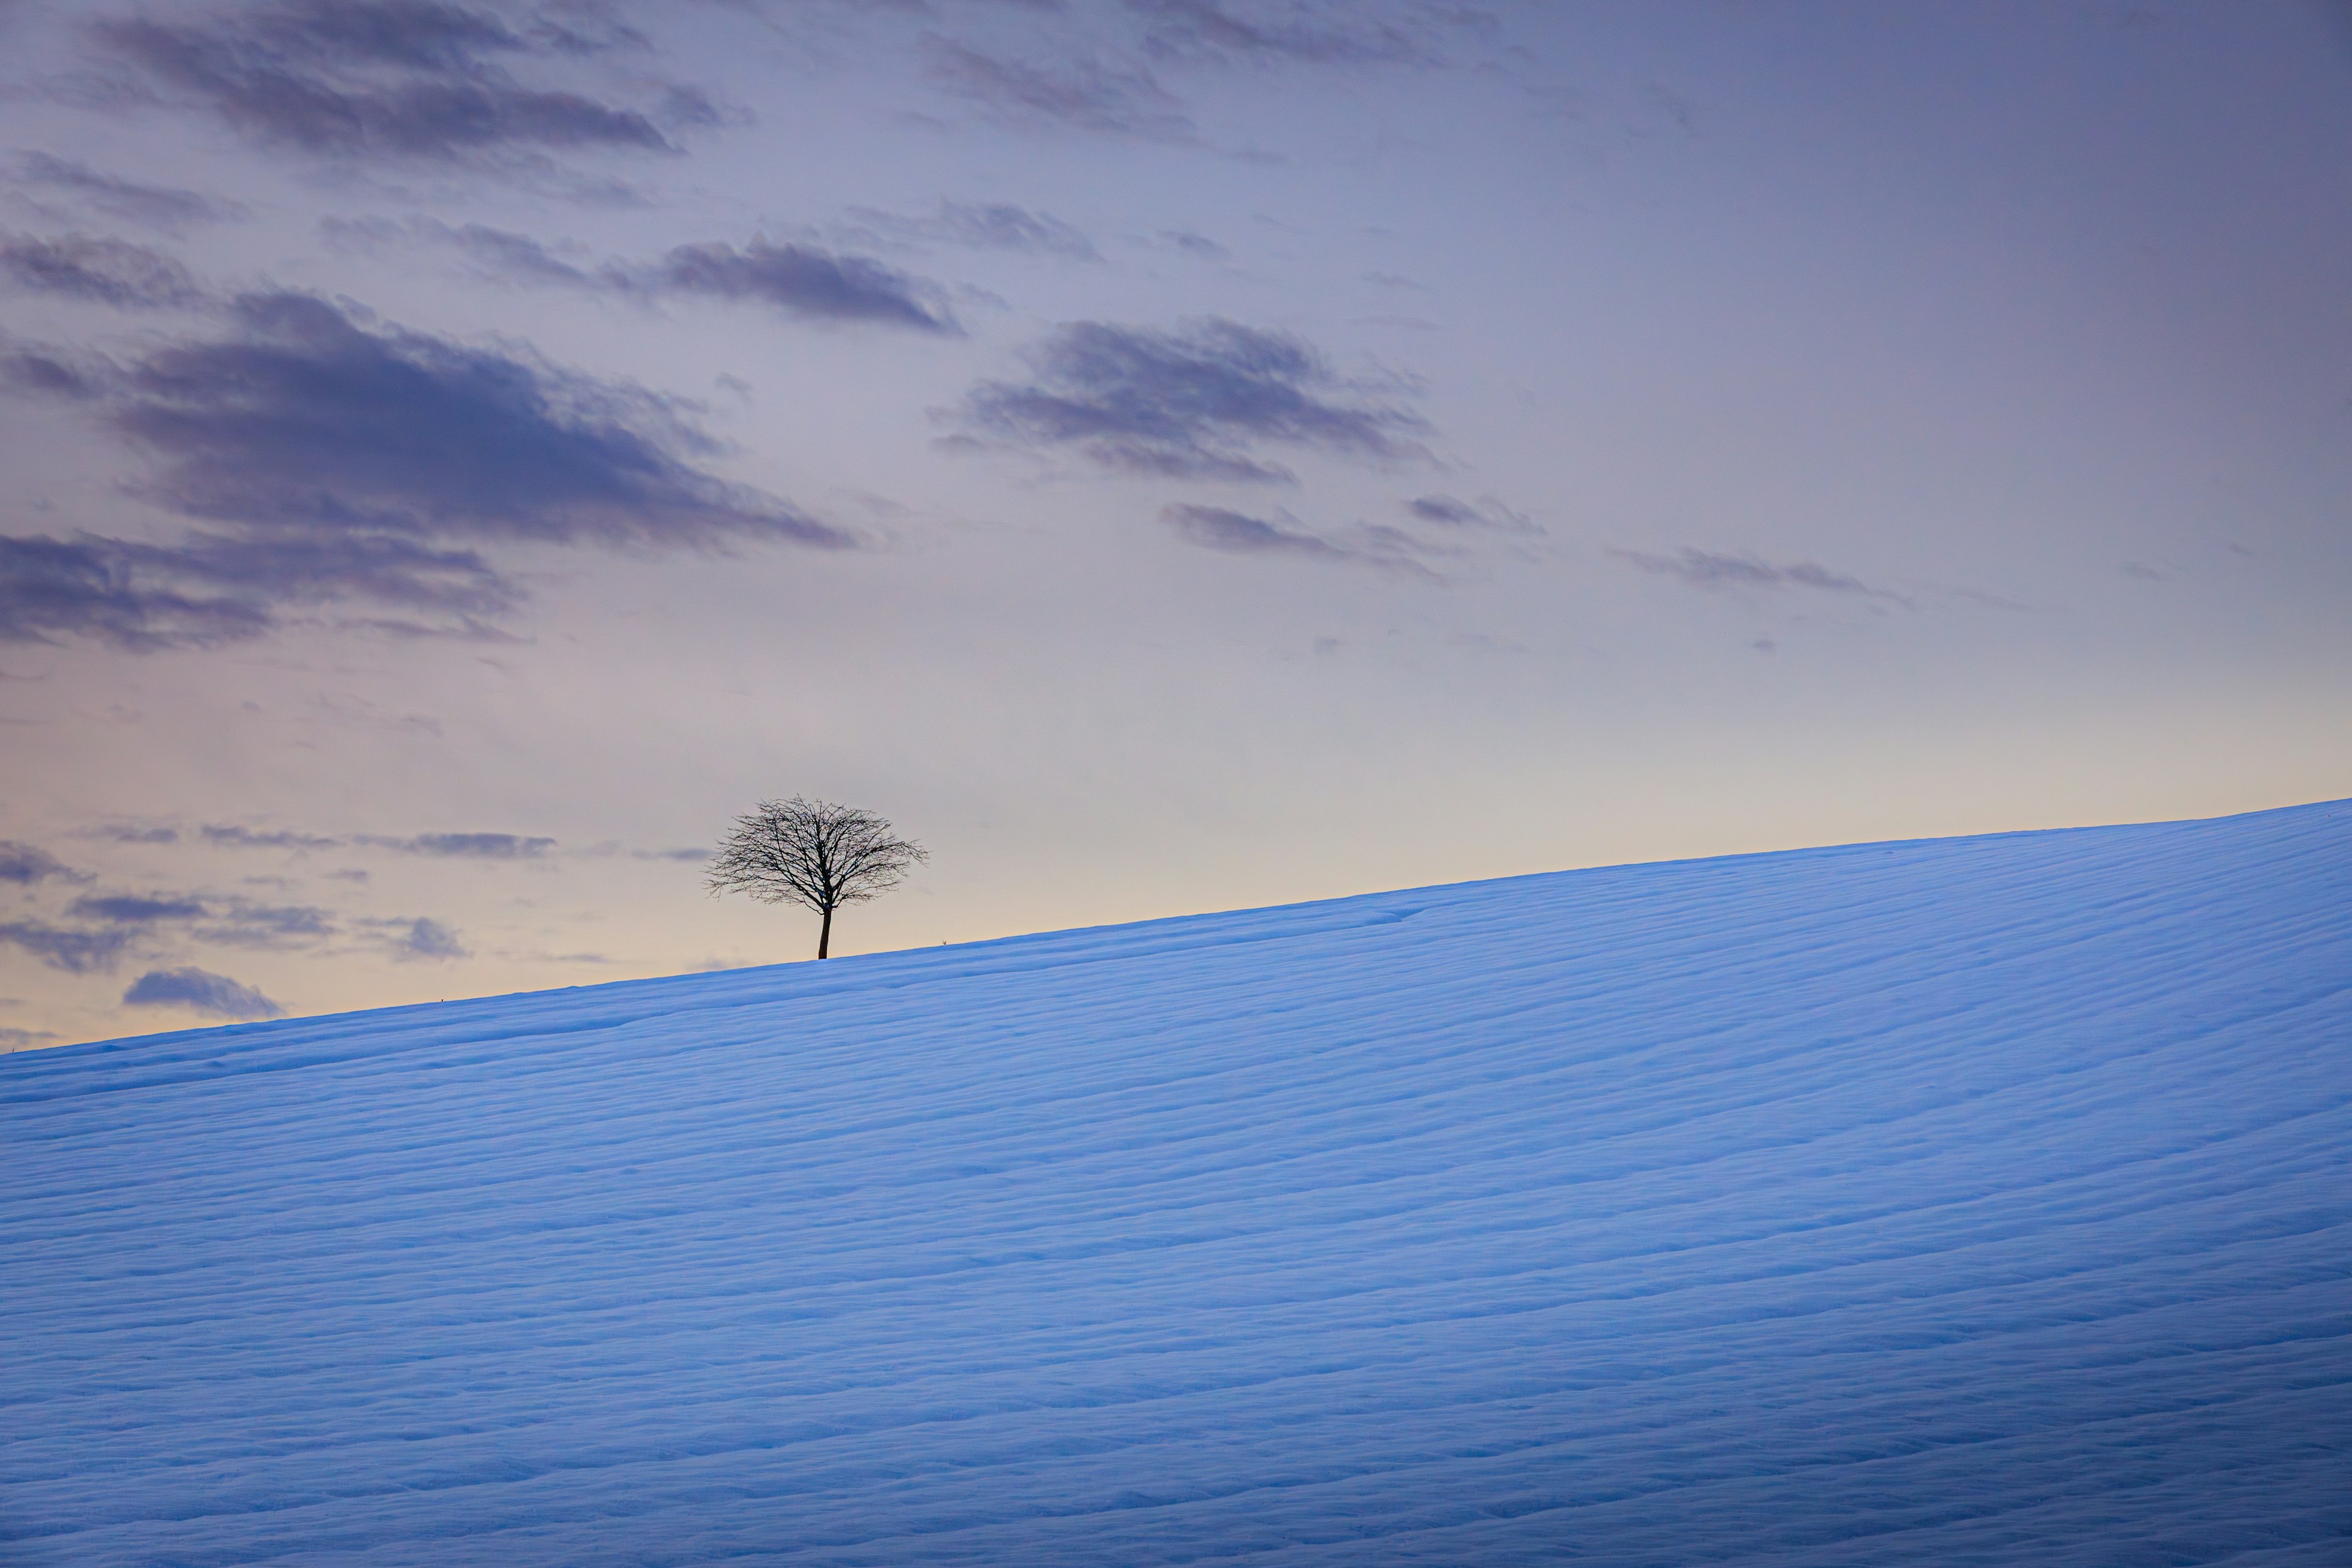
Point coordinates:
[[1166, 455]]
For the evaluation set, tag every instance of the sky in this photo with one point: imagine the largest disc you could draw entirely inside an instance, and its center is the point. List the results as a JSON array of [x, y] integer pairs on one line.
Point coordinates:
[[1163, 455]]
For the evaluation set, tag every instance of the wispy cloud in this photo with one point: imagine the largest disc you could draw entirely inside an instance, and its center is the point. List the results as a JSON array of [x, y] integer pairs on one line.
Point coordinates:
[[211, 589], [1487, 512], [981, 225], [122, 908], [1200, 247], [200, 991], [75, 952], [345, 460], [155, 207], [44, 372], [54, 588], [275, 926], [1076, 93], [1707, 569], [305, 419], [801, 279], [1317, 34], [1193, 404], [466, 846], [387, 79], [25, 864], [445, 846], [1238, 533], [130, 833], [804, 281], [229, 835], [102, 271]]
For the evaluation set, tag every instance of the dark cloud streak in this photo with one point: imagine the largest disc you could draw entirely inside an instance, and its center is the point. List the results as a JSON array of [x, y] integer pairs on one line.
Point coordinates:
[[466, 846], [1214, 528], [1238, 533], [1306, 35], [802, 280], [446, 846], [127, 909], [1190, 404], [984, 225], [799, 279], [102, 271], [156, 206], [74, 951], [339, 462], [55, 588], [230, 836], [304, 420], [1707, 569], [402, 79], [1073, 94], [268, 926], [1447, 511], [25, 864]]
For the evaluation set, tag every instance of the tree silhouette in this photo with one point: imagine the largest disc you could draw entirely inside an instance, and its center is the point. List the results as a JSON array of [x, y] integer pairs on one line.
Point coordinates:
[[812, 853]]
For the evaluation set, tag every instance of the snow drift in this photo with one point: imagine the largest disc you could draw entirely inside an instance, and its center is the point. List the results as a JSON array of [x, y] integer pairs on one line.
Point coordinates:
[[1974, 1201]]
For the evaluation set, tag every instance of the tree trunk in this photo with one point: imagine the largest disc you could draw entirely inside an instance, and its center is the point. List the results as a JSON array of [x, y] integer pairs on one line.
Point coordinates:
[[824, 934]]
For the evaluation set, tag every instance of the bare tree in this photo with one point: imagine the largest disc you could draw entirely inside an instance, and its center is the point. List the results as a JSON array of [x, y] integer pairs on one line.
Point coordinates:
[[812, 853]]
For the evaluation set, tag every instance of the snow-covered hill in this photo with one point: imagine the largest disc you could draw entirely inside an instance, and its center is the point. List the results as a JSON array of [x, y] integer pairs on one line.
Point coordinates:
[[1972, 1201]]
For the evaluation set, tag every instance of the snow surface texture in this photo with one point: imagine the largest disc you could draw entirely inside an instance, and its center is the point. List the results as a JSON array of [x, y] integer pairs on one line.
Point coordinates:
[[1975, 1201]]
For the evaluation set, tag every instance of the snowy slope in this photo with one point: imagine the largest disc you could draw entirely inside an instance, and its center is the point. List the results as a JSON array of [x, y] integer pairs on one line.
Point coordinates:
[[1971, 1201]]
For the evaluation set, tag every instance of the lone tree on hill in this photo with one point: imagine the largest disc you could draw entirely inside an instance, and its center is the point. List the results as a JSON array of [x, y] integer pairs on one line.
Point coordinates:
[[812, 853]]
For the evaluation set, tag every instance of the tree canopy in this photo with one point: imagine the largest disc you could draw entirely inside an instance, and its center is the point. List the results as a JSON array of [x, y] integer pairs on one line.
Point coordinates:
[[814, 853]]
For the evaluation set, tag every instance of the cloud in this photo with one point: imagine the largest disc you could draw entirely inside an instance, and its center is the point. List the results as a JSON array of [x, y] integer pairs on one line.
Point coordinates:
[[231, 837], [984, 225], [25, 864], [515, 257], [1238, 533], [339, 462], [247, 924], [1704, 569], [102, 271], [448, 845], [125, 910], [44, 373], [1198, 246], [804, 281], [157, 206], [400, 79], [425, 939], [55, 587], [1307, 33], [1076, 94], [200, 991], [212, 589], [305, 420], [18, 1039], [125, 833], [469, 846], [1190, 404], [75, 952], [1214, 528], [1447, 511]]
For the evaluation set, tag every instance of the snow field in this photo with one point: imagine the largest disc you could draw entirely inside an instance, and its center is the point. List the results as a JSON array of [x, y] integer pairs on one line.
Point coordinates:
[[1970, 1201]]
